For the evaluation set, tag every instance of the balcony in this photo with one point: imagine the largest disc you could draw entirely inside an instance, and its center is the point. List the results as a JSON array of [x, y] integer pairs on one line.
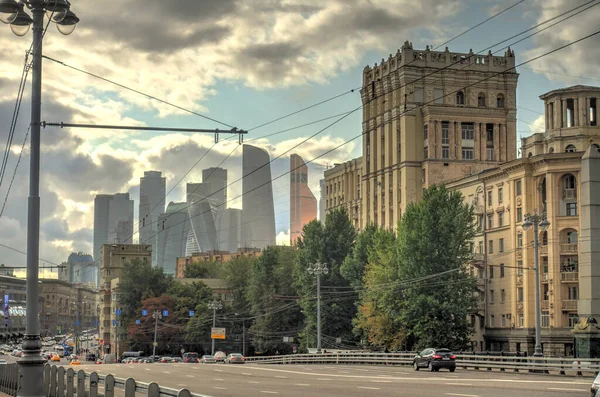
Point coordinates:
[[546, 304], [569, 277], [569, 305], [478, 257], [569, 194], [568, 249], [544, 250]]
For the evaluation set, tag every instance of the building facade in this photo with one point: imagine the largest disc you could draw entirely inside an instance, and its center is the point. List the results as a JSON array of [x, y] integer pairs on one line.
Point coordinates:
[[67, 307], [322, 200], [14, 307], [79, 269], [214, 256], [303, 204], [343, 185], [114, 258], [153, 188], [258, 211]]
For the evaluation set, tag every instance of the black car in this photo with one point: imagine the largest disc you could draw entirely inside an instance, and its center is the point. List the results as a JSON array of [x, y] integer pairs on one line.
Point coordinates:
[[434, 359]]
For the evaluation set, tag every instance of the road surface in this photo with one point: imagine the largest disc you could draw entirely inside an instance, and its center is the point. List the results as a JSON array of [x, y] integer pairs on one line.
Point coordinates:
[[220, 380]]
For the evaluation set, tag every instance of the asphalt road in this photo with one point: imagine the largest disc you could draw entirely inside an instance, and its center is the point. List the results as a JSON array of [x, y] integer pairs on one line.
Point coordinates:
[[220, 380]]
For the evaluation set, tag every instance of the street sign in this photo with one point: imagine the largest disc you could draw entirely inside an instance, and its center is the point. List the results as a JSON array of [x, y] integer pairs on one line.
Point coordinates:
[[155, 344], [192, 313], [295, 349], [217, 333], [338, 340], [137, 321], [118, 312], [144, 312], [182, 351], [77, 322], [115, 323], [165, 313]]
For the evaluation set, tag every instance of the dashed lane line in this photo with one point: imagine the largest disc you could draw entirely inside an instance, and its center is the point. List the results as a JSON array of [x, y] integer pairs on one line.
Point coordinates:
[[190, 376], [301, 384], [458, 384], [461, 395], [368, 388], [254, 382], [219, 379], [281, 377], [218, 370], [246, 373], [381, 381], [167, 372], [269, 392], [561, 389], [323, 379]]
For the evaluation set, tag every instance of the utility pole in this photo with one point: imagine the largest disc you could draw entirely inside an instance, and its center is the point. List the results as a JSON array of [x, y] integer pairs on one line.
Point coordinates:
[[214, 305], [156, 316], [536, 221], [318, 269]]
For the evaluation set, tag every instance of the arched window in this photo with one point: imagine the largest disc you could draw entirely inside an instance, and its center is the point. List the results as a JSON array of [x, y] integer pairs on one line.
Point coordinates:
[[544, 238], [500, 101], [481, 99], [569, 181], [551, 150], [570, 149], [460, 98], [529, 154], [572, 237]]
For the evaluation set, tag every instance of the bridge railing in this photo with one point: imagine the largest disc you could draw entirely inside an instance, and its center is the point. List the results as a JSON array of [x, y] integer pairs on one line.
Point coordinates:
[[467, 361], [61, 382], [9, 379]]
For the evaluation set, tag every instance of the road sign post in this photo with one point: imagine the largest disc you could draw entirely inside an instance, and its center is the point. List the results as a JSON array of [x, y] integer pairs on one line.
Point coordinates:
[[217, 333]]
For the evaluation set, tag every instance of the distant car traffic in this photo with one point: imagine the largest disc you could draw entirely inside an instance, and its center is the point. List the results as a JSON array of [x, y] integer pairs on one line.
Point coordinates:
[[235, 358], [434, 359], [191, 357], [208, 359]]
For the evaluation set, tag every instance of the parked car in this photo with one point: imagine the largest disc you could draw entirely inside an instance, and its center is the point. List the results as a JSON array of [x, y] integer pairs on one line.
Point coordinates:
[[166, 360], [434, 359], [235, 358], [596, 386], [220, 357], [176, 360], [190, 357], [208, 359]]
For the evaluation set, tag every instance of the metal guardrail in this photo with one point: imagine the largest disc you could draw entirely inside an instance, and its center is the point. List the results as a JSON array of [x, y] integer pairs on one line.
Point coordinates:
[[9, 379], [467, 361], [61, 382]]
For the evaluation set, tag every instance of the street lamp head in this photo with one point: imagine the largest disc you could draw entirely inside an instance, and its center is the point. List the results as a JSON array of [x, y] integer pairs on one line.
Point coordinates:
[[8, 10], [527, 224], [68, 24], [21, 24], [56, 10], [544, 224]]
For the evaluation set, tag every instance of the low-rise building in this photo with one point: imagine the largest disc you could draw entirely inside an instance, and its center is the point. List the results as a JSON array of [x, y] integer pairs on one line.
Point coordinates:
[[13, 308], [214, 256]]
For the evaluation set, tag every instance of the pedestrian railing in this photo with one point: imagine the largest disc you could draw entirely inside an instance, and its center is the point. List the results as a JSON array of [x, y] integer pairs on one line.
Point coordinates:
[[61, 382], [9, 379], [467, 361]]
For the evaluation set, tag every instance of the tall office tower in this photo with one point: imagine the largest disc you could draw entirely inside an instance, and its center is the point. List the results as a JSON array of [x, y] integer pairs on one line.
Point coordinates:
[[153, 187], [216, 181], [230, 232], [81, 269], [322, 201], [113, 221], [258, 214], [172, 236], [303, 204]]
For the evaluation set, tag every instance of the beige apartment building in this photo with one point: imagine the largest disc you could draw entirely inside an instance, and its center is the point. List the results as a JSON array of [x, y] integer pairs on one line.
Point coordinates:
[[342, 188], [114, 258]]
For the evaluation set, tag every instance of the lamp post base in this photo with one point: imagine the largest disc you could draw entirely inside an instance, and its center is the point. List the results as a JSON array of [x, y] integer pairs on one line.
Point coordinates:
[[31, 367]]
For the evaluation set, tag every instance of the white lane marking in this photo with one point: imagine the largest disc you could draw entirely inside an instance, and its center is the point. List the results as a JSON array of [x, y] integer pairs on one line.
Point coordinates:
[[368, 388], [253, 381], [381, 381], [269, 392], [323, 379], [301, 384], [281, 377], [458, 384], [461, 395], [220, 388], [167, 372], [559, 389], [218, 370], [147, 369], [219, 379], [246, 373], [190, 376]]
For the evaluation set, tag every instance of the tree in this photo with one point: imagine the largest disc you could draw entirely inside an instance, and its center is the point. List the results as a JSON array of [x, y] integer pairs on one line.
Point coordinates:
[[328, 243], [272, 301], [353, 267], [203, 270], [139, 281], [416, 285], [169, 328]]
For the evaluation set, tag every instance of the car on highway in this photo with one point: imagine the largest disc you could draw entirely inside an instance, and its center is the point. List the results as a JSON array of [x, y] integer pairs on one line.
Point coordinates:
[[434, 359], [208, 359], [166, 360], [2, 362], [55, 358], [190, 357], [596, 386], [235, 358], [176, 360]]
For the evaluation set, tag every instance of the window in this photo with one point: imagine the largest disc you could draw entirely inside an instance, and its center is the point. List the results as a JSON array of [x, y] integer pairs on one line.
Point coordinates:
[[520, 294], [445, 133], [573, 319], [426, 131], [491, 247], [500, 195], [502, 270], [490, 221], [468, 131], [460, 98], [569, 181], [518, 187], [571, 149], [468, 154], [572, 237], [502, 295], [489, 200], [520, 240], [573, 293], [426, 152], [481, 99], [492, 320], [491, 296], [500, 219], [571, 209], [438, 96], [445, 152], [545, 264], [545, 319], [501, 245], [519, 214], [489, 153], [500, 101], [521, 320], [419, 94], [491, 271], [545, 292], [503, 324]]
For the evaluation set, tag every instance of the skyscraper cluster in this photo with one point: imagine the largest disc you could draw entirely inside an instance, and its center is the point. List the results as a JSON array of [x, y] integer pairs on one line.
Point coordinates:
[[202, 223]]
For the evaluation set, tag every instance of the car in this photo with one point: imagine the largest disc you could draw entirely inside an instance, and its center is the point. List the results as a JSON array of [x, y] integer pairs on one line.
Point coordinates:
[[208, 359], [235, 358], [166, 360], [55, 358], [434, 359], [190, 357], [176, 360], [2, 362], [596, 386]]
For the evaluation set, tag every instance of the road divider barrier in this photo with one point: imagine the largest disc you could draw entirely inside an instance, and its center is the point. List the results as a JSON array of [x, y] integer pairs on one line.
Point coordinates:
[[553, 365]]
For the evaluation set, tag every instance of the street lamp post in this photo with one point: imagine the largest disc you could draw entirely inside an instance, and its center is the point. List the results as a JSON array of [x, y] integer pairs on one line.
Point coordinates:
[[537, 222], [214, 305], [11, 12], [157, 315], [318, 269], [243, 335]]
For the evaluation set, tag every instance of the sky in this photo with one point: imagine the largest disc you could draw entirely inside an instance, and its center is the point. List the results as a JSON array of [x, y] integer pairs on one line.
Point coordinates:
[[243, 63]]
